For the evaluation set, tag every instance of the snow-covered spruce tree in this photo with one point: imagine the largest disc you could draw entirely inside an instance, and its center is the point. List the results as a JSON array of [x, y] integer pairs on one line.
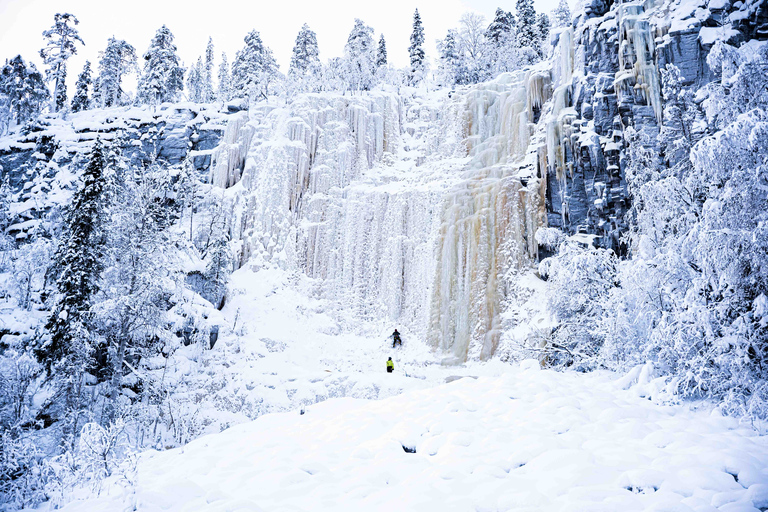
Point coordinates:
[[163, 76], [69, 352], [360, 58], [254, 69], [24, 89], [500, 27], [502, 44], [78, 263], [208, 95], [305, 61], [449, 70], [118, 59], [59, 47], [80, 99], [561, 15], [224, 91], [527, 29], [381, 53], [218, 267], [416, 49], [195, 82], [542, 34]]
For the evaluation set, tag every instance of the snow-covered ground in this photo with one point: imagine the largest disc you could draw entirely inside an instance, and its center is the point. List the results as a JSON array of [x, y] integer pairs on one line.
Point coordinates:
[[525, 440], [335, 432]]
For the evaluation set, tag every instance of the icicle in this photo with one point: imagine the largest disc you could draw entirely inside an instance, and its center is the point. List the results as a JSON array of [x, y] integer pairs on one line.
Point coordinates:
[[636, 55]]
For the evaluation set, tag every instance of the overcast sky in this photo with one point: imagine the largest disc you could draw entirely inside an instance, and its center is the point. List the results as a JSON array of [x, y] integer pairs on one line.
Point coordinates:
[[228, 21]]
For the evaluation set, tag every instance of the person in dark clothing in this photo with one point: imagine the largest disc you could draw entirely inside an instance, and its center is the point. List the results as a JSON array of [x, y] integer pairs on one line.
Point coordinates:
[[390, 365], [396, 339]]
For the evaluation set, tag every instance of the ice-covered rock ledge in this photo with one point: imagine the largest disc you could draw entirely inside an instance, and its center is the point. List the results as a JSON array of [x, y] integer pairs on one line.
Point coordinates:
[[529, 440]]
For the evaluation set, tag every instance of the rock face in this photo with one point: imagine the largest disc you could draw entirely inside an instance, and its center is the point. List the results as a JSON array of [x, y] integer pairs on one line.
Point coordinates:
[[615, 52], [37, 160]]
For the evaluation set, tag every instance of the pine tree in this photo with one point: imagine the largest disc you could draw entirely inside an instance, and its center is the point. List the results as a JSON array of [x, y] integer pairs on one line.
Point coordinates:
[[60, 46], [208, 95], [195, 82], [78, 263], [561, 15], [224, 92], [381, 54], [163, 77], [118, 59], [24, 89], [305, 58], [80, 100], [542, 33], [360, 57], [416, 49], [527, 27], [254, 68]]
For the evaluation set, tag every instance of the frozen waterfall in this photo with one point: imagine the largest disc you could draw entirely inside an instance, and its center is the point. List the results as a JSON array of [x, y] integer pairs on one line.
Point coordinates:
[[418, 210]]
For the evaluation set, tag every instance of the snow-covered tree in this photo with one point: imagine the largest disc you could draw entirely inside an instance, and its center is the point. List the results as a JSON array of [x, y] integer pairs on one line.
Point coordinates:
[[224, 91], [381, 53], [305, 58], [254, 68], [60, 45], [473, 49], [449, 71], [218, 267], [416, 49], [360, 57], [581, 280], [140, 273], [196, 82], [80, 99], [501, 37], [678, 133], [208, 95], [78, 263], [163, 76], [542, 35], [305, 61], [23, 88], [117, 60], [499, 29], [561, 15], [527, 25]]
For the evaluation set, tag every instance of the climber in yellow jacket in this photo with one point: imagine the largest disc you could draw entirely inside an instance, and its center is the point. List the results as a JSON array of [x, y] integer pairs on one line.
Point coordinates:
[[390, 365]]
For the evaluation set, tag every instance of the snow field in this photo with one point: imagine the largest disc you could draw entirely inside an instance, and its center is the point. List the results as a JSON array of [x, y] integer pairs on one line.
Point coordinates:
[[528, 440]]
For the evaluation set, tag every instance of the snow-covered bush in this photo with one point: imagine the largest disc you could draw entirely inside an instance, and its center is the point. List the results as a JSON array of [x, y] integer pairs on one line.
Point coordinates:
[[581, 281], [551, 238]]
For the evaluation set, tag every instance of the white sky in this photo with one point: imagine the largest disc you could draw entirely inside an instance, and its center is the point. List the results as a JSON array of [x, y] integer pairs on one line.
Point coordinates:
[[228, 21]]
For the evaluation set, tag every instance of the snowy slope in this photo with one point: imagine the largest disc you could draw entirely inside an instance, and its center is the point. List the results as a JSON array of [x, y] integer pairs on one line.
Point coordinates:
[[527, 440]]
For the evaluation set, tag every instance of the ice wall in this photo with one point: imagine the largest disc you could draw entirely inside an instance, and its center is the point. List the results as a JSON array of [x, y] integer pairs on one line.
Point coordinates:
[[415, 210]]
